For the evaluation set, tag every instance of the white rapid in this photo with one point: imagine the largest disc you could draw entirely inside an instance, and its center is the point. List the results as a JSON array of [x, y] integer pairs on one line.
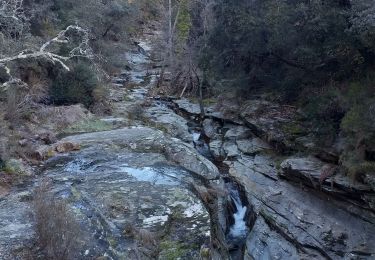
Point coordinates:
[[196, 136], [239, 228]]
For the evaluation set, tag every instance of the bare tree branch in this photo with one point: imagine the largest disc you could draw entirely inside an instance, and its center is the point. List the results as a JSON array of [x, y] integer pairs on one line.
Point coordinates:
[[82, 50]]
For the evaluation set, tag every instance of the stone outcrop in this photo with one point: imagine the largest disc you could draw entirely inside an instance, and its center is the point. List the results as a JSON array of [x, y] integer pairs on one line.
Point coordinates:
[[321, 176], [210, 128], [172, 123], [151, 140], [276, 124], [226, 112], [299, 224], [304, 207], [253, 146]]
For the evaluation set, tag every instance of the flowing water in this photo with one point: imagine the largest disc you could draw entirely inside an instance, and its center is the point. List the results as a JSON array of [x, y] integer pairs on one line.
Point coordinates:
[[239, 229]]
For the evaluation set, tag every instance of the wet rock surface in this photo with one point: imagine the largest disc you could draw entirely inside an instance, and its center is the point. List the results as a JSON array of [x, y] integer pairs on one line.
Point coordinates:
[[151, 140], [314, 226], [110, 188]]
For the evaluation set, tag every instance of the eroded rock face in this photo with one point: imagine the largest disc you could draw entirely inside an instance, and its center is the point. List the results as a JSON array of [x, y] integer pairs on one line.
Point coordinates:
[[187, 106], [137, 177], [326, 177], [294, 219], [253, 146], [276, 124], [174, 124], [299, 223]]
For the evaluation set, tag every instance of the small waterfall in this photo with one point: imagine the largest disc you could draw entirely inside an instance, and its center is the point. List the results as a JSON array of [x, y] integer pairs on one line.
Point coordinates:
[[239, 228], [196, 136]]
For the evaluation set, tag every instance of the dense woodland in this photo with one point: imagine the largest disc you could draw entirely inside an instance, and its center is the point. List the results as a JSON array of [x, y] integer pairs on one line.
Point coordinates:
[[316, 55]]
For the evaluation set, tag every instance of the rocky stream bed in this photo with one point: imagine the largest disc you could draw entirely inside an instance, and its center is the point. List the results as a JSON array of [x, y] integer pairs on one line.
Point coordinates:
[[216, 188]]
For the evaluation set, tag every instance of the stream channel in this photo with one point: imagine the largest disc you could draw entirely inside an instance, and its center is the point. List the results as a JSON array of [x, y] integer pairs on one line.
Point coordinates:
[[119, 187]]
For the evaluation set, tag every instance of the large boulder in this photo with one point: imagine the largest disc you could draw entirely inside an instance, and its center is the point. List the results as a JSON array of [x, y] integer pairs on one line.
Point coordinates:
[[173, 124], [144, 139]]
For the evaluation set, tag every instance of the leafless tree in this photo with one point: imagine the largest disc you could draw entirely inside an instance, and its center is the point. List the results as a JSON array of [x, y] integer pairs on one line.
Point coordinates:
[[73, 35], [13, 21], [81, 50]]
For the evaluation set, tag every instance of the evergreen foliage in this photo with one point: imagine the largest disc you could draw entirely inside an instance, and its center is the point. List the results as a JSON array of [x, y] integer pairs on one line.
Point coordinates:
[[75, 86]]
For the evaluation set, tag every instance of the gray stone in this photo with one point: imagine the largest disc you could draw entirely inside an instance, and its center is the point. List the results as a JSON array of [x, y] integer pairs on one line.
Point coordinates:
[[265, 243], [16, 229], [187, 106], [174, 124], [313, 172], [216, 148], [147, 139], [253, 146], [276, 124], [237, 133], [370, 180], [210, 128], [300, 224], [231, 150]]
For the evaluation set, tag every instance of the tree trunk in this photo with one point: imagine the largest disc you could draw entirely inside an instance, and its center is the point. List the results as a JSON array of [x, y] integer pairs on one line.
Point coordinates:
[[170, 33]]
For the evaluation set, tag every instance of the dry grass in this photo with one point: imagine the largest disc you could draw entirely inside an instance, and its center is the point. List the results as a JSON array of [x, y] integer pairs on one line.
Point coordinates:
[[146, 242], [58, 233], [326, 172], [102, 105], [63, 116]]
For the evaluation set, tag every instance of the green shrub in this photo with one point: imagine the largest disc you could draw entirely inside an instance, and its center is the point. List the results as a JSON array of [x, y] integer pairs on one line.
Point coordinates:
[[324, 112], [75, 86], [359, 120], [355, 166]]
